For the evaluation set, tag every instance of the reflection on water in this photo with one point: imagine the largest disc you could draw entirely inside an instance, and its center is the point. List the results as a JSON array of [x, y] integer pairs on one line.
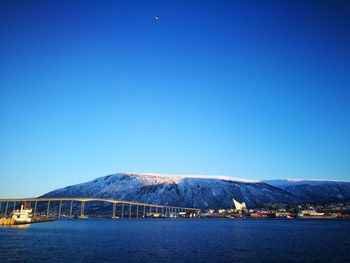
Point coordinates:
[[15, 226], [20, 226]]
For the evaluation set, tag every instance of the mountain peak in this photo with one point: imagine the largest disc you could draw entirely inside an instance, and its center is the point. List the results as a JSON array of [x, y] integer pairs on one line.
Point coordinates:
[[179, 177]]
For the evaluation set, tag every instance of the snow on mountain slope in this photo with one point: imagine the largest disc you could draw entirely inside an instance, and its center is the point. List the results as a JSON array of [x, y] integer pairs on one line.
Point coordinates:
[[315, 190], [186, 190]]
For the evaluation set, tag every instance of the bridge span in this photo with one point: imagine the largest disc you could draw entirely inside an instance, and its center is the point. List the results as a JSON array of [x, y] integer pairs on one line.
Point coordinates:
[[125, 207]]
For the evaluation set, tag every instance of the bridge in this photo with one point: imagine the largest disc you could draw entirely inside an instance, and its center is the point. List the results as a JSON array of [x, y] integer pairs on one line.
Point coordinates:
[[140, 209]]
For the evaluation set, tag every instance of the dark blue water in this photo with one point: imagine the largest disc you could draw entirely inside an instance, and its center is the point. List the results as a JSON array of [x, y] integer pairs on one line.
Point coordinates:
[[175, 240]]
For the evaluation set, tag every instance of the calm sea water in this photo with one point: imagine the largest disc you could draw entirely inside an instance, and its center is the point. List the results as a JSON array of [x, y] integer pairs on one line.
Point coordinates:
[[178, 240]]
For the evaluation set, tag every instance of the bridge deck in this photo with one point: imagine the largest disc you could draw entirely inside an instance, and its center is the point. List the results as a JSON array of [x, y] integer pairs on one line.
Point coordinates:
[[87, 199]]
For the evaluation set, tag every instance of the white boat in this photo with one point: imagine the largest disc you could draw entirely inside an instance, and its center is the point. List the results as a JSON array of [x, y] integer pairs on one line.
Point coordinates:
[[22, 215], [310, 214]]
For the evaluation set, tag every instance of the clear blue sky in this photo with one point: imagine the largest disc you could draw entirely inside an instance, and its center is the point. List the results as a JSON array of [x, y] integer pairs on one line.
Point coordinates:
[[252, 89]]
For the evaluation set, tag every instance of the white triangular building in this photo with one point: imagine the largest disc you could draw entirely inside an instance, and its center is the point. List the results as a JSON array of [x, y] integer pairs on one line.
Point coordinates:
[[239, 206]]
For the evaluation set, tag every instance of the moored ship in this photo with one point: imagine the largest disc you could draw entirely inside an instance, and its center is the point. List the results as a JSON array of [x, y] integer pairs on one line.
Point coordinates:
[[22, 215], [314, 214]]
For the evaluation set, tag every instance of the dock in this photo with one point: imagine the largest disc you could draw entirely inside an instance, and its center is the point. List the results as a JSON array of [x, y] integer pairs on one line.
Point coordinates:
[[12, 222]]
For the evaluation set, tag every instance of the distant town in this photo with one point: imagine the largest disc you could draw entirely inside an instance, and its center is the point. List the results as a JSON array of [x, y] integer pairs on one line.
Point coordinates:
[[240, 210]]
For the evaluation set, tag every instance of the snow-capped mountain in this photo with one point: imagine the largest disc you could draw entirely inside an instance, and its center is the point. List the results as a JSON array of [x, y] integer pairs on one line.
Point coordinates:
[[315, 190], [206, 191], [186, 190]]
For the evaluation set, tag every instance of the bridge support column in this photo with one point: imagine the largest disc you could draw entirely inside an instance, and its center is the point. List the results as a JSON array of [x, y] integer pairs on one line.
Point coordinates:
[[144, 211], [137, 211], [48, 209], [35, 208], [82, 209], [163, 211], [156, 209], [6, 207], [122, 210], [71, 209], [14, 205], [59, 209], [129, 210], [113, 210]]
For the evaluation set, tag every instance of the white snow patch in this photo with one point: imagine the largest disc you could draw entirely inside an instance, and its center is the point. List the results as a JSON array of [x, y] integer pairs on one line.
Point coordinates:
[[179, 177]]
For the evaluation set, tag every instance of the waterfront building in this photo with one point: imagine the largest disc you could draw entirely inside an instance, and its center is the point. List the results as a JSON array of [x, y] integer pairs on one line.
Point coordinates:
[[239, 206]]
